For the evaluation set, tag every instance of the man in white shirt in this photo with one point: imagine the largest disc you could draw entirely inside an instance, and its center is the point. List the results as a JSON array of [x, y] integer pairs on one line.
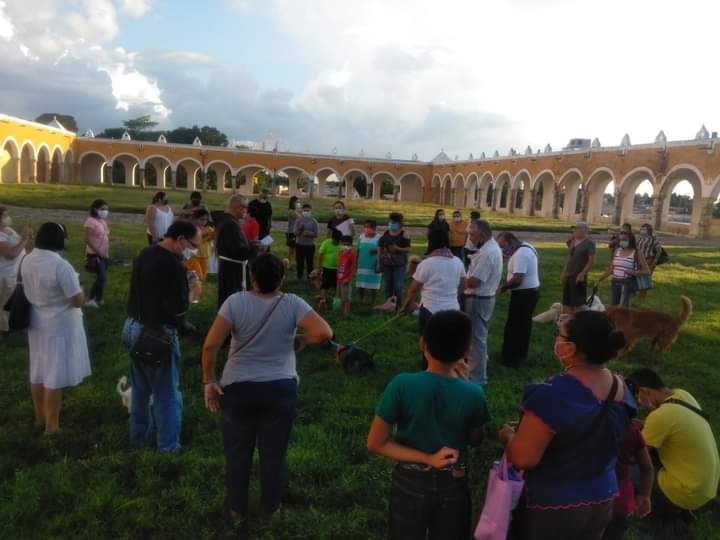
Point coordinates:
[[483, 278], [524, 283]]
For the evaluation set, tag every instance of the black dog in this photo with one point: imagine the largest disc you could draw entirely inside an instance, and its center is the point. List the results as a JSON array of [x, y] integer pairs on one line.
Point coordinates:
[[353, 359]]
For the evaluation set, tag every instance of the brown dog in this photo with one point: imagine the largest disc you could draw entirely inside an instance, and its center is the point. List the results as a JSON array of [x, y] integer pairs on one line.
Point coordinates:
[[660, 327]]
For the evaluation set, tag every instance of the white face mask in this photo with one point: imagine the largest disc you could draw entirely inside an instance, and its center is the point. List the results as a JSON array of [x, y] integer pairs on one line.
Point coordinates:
[[307, 213], [189, 253], [339, 212], [6, 221], [457, 219], [103, 214], [441, 217], [298, 206]]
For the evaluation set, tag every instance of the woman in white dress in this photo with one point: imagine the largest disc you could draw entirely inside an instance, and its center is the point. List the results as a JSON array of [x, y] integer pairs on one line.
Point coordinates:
[[12, 250], [158, 217], [58, 347]]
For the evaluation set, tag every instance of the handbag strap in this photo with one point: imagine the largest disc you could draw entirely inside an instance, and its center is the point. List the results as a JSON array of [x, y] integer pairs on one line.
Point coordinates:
[[262, 325], [18, 279], [600, 414], [687, 406]]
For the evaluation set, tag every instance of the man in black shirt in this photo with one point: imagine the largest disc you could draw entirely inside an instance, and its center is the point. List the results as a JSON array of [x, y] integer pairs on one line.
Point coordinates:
[[262, 211], [232, 248], [158, 299]]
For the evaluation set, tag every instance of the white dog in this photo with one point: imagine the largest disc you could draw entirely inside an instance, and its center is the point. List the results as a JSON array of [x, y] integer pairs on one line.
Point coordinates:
[[554, 314], [125, 392]]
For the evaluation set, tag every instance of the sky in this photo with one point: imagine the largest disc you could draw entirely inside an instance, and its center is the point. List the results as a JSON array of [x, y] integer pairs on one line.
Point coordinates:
[[380, 76]]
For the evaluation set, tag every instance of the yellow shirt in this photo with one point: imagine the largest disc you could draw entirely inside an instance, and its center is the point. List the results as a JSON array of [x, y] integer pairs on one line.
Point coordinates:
[[687, 449], [458, 233]]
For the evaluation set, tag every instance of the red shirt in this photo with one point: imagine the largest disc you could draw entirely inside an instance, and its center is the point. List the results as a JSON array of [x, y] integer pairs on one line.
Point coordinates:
[[251, 229], [347, 262], [632, 443]]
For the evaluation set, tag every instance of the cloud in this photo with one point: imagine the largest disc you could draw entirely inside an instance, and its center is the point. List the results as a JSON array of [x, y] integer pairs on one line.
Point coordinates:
[[135, 8], [6, 27], [240, 5]]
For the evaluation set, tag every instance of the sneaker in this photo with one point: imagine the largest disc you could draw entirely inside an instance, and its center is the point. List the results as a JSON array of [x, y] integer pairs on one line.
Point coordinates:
[[92, 303]]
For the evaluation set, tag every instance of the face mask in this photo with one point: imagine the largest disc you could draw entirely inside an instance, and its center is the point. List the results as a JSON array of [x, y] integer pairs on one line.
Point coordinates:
[[457, 219], [103, 214], [643, 232], [393, 226], [189, 253], [339, 212], [624, 243], [298, 206], [346, 248], [441, 217], [564, 351], [306, 213], [6, 221]]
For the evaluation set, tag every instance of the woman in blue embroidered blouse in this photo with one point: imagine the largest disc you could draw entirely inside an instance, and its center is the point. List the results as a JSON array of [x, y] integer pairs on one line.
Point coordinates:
[[568, 438]]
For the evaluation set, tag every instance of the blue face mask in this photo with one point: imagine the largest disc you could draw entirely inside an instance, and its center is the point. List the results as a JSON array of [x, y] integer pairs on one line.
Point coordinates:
[[393, 226]]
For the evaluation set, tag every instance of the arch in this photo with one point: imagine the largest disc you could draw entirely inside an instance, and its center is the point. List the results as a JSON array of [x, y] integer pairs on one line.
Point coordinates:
[[124, 168], [318, 171], [377, 181], [221, 162], [155, 156], [569, 202], [501, 190], [485, 190], [409, 173], [597, 207], [27, 163], [43, 164], [9, 161], [521, 189], [411, 187], [471, 190], [625, 191], [92, 167], [295, 168], [543, 194], [446, 190], [56, 166], [695, 178], [461, 177], [436, 186], [388, 173]]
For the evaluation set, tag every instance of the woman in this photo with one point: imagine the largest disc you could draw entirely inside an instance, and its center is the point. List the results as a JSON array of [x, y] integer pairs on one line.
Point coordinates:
[[569, 436], [393, 249], [439, 223], [12, 250], [650, 248], [440, 278], [257, 392], [368, 277], [294, 208], [158, 217], [626, 263], [97, 249], [58, 347], [341, 220], [458, 235]]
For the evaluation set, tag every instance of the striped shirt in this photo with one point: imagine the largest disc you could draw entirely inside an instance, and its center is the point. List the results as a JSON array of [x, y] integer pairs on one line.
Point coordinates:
[[622, 267], [649, 247]]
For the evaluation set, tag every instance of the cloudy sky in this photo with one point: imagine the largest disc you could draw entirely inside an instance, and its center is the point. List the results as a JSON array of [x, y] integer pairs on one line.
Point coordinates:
[[399, 76]]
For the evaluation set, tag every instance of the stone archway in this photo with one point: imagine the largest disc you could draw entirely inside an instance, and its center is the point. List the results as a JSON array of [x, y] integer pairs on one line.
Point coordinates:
[[56, 167], [520, 201], [501, 197], [92, 169], [458, 193], [625, 197], [411, 187], [599, 207], [472, 190], [543, 194], [42, 174], [9, 163], [673, 218], [569, 203], [486, 194], [27, 163]]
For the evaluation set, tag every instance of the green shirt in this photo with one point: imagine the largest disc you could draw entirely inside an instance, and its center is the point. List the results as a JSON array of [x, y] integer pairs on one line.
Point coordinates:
[[431, 411], [330, 253]]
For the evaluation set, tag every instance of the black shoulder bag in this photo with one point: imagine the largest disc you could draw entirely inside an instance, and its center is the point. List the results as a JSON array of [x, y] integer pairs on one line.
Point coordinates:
[[18, 306], [687, 406]]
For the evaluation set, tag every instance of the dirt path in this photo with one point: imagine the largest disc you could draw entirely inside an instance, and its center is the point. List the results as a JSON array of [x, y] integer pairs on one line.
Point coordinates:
[[39, 215]]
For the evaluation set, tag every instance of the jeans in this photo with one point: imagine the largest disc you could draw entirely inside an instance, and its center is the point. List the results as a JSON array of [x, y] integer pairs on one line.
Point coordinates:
[[304, 256], [96, 292], [423, 318], [480, 310], [621, 292], [394, 277], [518, 327], [577, 523], [257, 413], [163, 385], [428, 504]]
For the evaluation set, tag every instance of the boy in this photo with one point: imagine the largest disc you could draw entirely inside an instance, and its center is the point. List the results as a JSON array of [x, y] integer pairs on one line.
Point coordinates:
[[306, 230], [347, 264], [327, 264], [436, 414]]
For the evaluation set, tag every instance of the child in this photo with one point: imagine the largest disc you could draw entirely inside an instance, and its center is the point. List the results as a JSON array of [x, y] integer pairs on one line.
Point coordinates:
[[306, 230], [347, 263], [632, 452], [368, 276], [327, 264], [424, 421], [199, 263]]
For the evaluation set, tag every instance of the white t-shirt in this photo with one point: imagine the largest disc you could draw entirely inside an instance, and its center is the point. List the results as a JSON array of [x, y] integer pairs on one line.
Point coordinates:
[[9, 267], [49, 282], [440, 278], [486, 265], [524, 261]]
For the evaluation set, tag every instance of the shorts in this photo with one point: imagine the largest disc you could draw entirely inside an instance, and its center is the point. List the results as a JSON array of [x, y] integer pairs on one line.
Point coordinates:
[[329, 278], [290, 240], [574, 294], [345, 290]]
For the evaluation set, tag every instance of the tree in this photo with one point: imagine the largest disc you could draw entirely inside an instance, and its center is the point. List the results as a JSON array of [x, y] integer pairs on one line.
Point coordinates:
[[209, 136], [141, 123], [67, 120]]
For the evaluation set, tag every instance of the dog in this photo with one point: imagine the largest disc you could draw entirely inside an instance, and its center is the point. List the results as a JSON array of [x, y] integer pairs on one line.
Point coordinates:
[[554, 314], [659, 327], [353, 359], [125, 392]]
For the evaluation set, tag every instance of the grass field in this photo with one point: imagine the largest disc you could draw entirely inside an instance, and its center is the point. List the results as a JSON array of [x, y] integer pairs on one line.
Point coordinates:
[[88, 482], [134, 200]]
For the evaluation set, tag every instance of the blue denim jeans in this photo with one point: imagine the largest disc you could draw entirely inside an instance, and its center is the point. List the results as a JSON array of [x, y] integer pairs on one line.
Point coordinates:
[[480, 310], [394, 277], [621, 292], [96, 292], [162, 384], [257, 413], [428, 504]]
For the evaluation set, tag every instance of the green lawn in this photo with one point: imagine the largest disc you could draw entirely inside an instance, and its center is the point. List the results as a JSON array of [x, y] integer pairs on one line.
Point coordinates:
[[88, 483], [134, 200]]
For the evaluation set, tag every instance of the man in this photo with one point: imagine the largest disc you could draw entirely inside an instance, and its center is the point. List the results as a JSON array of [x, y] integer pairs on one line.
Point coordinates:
[[232, 248], [262, 211], [483, 278], [580, 261], [523, 282], [469, 246], [158, 300], [689, 468]]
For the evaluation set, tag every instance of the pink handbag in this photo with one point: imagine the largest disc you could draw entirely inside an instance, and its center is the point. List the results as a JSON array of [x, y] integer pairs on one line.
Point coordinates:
[[503, 493]]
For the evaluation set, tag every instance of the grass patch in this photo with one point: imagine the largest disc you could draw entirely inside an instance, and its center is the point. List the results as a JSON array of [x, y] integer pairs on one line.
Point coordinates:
[[89, 483]]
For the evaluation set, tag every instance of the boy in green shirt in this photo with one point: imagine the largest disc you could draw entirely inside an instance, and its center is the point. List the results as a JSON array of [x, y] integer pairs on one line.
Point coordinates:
[[327, 264], [436, 414]]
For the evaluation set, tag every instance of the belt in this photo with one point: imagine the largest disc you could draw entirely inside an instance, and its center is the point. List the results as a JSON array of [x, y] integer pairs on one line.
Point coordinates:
[[419, 467], [532, 289], [480, 296]]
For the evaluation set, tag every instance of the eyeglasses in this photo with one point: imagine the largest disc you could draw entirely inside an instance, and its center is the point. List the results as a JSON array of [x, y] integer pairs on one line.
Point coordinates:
[[193, 244]]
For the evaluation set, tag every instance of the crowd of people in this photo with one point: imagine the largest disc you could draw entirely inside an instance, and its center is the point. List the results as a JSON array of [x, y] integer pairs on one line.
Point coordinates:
[[576, 439]]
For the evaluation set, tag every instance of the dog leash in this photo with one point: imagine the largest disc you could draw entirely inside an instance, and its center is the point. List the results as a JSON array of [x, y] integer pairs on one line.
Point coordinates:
[[376, 329]]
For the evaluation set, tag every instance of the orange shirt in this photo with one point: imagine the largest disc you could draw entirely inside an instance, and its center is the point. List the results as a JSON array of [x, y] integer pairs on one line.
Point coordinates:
[[458, 233]]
